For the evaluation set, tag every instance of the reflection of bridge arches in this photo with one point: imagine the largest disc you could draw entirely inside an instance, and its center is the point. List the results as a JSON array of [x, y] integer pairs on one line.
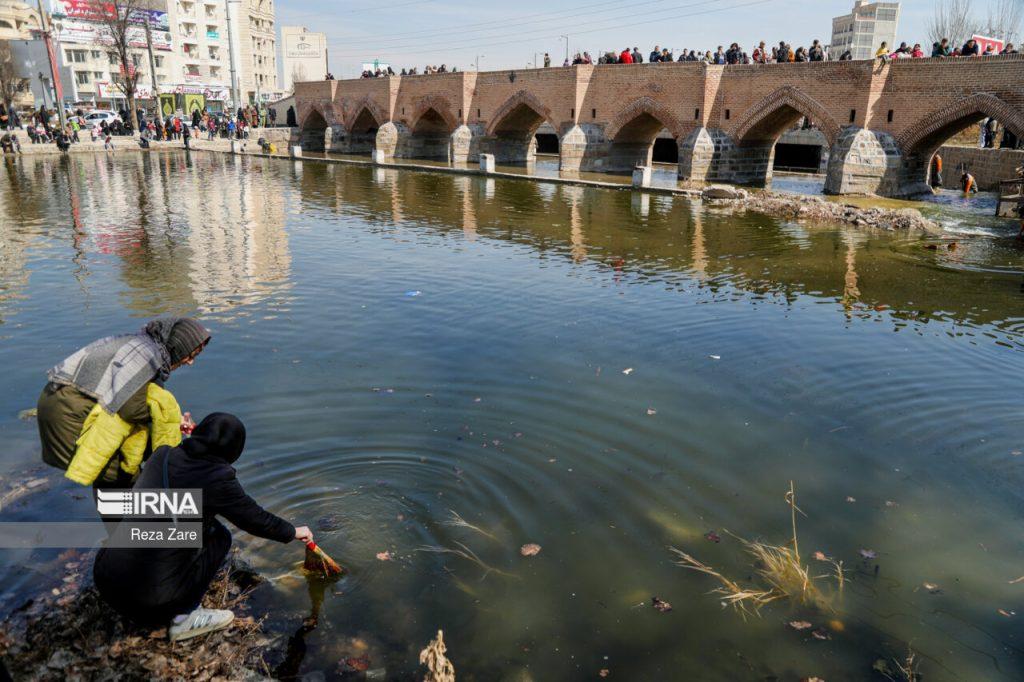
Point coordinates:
[[921, 140], [514, 126], [633, 131], [762, 126], [313, 130]]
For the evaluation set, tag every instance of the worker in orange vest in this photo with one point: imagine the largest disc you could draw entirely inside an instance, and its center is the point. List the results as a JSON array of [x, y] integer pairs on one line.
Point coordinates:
[[937, 171], [968, 184]]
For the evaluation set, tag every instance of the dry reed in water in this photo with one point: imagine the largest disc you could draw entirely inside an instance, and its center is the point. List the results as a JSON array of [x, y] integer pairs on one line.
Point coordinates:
[[780, 566]]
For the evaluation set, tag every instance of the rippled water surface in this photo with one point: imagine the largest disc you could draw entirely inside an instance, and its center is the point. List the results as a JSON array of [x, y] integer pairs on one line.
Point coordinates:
[[603, 373]]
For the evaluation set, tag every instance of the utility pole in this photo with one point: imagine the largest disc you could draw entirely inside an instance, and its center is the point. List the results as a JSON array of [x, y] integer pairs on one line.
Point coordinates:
[[566, 47], [478, 61], [152, 62], [236, 96], [58, 89]]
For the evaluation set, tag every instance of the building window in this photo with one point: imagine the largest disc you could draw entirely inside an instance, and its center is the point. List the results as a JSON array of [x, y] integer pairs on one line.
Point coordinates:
[[159, 61], [95, 54], [82, 77]]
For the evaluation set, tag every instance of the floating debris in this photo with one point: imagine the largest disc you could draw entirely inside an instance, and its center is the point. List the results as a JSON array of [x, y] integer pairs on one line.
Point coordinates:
[[439, 668], [531, 549], [660, 605]]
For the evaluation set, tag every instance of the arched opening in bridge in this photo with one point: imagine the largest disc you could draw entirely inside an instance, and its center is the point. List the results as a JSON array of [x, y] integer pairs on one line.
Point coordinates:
[[514, 138], [666, 149], [546, 139], [634, 143], [362, 138], [971, 140], [430, 137], [786, 149], [313, 132]]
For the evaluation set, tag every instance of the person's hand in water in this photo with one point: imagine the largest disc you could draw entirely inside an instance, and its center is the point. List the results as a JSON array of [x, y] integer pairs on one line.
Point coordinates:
[[187, 425], [303, 533]]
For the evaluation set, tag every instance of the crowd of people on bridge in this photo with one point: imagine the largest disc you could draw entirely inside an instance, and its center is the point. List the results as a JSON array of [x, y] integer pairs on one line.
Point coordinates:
[[782, 53], [384, 71]]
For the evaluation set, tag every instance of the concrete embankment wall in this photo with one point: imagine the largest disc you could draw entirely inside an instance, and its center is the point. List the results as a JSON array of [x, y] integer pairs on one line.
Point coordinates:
[[279, 137], [988, 166]]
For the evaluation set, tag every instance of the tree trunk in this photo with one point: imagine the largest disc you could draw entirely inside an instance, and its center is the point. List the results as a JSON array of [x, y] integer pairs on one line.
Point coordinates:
[[133, 113]]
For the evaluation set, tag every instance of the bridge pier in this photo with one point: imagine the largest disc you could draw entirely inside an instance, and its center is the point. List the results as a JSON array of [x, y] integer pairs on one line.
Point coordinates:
[[511, 149], [392, 139], [703, 154], [863, 161], [465, 143]]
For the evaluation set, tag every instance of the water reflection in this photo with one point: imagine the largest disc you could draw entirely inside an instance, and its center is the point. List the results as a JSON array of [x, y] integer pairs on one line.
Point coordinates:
[[183, 242], [671, 238]]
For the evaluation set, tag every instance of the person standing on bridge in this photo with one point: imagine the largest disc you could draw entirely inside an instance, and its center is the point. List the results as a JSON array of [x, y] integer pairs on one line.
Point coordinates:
[[817, 52], [970, 49], [547, 60], [626, 57], [655, 55], [941, 48], [637, 57]]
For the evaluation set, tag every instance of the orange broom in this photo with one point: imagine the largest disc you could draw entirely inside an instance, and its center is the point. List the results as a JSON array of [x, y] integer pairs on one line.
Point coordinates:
[[317, 561]]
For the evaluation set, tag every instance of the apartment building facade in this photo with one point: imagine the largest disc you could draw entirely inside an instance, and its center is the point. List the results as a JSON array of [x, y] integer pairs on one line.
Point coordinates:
[[865, 28]]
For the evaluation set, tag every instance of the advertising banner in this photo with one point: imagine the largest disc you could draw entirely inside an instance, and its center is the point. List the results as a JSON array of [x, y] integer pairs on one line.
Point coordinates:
[[984, 42], [194, 103], [167, 105]]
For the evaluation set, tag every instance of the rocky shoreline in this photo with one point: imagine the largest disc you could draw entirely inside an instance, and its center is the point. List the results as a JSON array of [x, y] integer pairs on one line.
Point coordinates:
[[69, 633], [817, 209]]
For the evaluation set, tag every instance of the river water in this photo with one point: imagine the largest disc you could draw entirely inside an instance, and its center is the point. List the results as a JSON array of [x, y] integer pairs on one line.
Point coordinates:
[[603, 373]]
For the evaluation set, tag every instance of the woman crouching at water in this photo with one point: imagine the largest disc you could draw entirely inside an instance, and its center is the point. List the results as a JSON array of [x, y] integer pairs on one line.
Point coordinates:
[[105, 405], [155, 586]]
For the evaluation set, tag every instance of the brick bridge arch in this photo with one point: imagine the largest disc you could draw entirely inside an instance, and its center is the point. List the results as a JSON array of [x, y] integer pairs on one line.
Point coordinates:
[[930, 131], [510, 133], [440, 106], [428, 132], [633, 130], [313, 124], [922, 139], [366, 104], [511, 107], [639, 107], [769, 118]]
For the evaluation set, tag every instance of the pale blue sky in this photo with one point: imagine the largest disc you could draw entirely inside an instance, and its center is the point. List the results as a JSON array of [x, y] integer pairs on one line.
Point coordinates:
[[508, 34]]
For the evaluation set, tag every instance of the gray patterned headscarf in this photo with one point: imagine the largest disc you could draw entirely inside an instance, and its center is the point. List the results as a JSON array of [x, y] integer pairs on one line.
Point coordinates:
[[114, 368]]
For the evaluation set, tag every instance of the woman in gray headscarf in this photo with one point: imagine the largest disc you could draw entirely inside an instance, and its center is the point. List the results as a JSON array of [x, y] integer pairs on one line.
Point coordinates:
[[105, 408]]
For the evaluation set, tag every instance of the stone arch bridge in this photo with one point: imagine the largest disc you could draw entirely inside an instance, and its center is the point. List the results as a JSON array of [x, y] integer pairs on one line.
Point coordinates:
[[883, 121]]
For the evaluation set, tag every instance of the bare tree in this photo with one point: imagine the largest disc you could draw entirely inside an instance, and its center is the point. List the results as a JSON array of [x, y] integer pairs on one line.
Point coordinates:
[[11, 82], [122, 21], [1004, 19], [952, 20]]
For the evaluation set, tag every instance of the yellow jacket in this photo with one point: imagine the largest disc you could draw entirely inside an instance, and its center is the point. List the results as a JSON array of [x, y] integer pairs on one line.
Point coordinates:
[[103, 434]]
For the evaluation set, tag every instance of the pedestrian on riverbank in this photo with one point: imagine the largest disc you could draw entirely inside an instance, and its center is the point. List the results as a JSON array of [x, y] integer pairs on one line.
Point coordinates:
[[164, 586], [186, 135], [290, 117], [105, 405]]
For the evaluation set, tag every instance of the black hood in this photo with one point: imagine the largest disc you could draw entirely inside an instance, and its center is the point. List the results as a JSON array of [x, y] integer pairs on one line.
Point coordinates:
[[219, 436]]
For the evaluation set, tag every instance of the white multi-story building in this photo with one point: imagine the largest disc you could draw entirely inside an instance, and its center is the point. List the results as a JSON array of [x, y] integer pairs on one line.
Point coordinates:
[[202, 71], [88, 67], [257, 49], [303, 56], [863, 30]]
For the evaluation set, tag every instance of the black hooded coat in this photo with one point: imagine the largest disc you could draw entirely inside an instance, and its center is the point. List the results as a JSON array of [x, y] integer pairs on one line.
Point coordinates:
[[153, 585]]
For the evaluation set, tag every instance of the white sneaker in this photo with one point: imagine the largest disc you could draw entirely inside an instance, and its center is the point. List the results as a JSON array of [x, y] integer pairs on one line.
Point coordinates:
[[200, 622]]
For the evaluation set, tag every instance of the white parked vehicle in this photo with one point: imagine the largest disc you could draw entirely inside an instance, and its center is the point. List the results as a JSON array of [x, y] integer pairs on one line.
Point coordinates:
[[95, 118]]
